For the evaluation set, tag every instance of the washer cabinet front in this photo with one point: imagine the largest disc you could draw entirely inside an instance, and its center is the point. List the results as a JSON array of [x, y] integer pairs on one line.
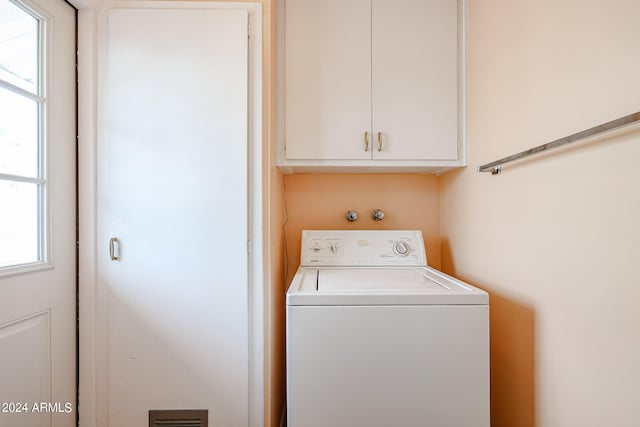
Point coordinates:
[[381, 366]]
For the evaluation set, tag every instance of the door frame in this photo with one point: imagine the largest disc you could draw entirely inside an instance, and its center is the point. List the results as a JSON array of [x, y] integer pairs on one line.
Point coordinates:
[[93, 380]]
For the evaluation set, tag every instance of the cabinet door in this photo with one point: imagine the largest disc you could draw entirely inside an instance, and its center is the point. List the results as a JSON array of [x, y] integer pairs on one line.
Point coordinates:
[[415, 79], [328, 79]]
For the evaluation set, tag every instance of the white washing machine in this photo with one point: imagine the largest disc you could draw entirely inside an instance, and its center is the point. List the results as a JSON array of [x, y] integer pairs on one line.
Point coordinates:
[[376, 338]]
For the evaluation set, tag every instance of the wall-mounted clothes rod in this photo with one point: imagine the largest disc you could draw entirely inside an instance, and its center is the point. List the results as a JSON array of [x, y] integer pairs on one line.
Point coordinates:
[[496, 167]]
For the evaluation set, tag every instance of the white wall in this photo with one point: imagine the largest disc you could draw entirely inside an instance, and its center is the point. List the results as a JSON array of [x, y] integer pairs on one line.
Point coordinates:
[[555, 240]]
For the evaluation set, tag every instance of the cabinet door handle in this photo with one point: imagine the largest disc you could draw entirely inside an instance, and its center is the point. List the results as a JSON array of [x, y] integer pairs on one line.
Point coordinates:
[[379, 141], [113, 254], [366, 141]]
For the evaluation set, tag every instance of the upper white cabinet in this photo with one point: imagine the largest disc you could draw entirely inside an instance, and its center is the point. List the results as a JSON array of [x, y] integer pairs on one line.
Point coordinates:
[[372, 85], [328, 78], [415, 78]]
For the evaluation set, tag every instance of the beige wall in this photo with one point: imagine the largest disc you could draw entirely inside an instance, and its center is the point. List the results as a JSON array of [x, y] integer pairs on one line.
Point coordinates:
[[555, 240], [321, 201], [275, 308], [274, 321]]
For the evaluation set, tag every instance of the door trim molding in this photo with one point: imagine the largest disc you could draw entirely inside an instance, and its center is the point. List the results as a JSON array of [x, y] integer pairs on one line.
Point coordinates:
[[93, 403]]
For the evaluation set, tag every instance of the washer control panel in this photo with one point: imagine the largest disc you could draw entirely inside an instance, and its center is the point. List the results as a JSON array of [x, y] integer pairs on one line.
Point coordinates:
[[362, 248]]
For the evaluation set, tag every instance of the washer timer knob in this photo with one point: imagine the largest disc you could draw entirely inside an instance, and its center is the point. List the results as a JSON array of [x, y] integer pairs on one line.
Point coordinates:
[[401, 248]]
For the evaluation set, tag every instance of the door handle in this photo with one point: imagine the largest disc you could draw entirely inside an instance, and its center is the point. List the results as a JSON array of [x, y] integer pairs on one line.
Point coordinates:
[[379, 141], [366, 141], [114, 253]]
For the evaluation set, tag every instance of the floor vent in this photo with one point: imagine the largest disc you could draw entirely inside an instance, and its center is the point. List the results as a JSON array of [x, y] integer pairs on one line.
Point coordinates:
[[179, 418]]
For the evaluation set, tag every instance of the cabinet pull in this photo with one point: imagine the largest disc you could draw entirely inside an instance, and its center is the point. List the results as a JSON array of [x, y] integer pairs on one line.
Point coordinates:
[[366, 141], [379, 141]]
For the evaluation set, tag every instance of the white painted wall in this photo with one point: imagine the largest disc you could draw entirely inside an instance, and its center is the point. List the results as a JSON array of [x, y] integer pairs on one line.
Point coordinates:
[[555, 240]]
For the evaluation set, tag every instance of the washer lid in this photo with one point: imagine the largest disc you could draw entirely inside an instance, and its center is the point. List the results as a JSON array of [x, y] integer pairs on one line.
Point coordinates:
[[380, 286], [375, 280]]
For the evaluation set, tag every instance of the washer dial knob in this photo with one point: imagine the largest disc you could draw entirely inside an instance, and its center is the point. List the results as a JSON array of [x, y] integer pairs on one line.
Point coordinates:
[[401, 248]]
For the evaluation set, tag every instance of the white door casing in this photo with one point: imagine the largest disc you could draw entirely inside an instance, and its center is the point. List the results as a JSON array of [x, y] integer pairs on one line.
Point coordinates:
[[225, 353], [38, 306]]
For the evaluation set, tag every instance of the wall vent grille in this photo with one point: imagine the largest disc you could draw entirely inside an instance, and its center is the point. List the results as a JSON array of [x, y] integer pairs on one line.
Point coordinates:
[[179, 418]]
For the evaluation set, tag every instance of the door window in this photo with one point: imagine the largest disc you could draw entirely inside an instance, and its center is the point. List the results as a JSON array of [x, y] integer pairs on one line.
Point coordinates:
[[22, 138]]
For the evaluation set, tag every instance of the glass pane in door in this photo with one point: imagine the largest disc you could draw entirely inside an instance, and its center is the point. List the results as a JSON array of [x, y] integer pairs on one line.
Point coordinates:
[[18, 47], [19, 223], [18, 134]]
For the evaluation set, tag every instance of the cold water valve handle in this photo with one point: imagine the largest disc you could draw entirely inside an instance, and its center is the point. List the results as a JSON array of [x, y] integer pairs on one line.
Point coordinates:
[[352, 216]]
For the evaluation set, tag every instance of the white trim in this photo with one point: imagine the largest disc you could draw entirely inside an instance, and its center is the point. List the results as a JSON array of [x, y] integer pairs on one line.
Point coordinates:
[[19, 91], [93, 408], [281, 124], [20, 178], [463, 81], [45, 73], [256, 218], [12, 270], [89, 312]]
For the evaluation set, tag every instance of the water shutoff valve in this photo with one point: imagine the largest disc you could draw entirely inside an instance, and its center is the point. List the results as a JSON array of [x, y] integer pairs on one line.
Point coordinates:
[[377, 215]]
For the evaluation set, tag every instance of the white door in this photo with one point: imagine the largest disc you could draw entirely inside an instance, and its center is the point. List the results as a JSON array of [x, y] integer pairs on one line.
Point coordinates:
[[328, 74], [172, 189], [37, 214], [415, 79]]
